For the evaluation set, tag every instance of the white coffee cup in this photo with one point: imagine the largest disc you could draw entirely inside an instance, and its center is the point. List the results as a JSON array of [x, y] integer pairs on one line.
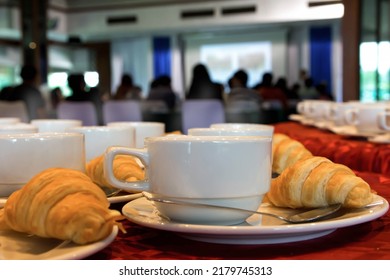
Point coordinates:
[[55, 125], [211, 131], [99, 138], [25, 155], [316, 110], [302, 107], [367, 117], [384, 121], [336, 112], [9, 120], [18, 128], [223, 170], [306, 108], [263, 129], [143, 130]]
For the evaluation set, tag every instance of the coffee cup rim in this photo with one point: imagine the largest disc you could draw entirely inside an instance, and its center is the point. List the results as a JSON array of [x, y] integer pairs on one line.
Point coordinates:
[[241, 125], [208, 138], [10, 119], [230, 129], [97, 128], [38, 135], [135, 123], [17, 125], [55, 121]]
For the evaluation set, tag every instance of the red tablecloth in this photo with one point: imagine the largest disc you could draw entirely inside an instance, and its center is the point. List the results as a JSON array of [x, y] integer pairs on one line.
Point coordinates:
[[370, 240], [356, 153]]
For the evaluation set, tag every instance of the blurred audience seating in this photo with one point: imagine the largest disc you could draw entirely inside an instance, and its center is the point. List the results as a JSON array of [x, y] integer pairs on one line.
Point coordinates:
[[243, 111], [80, 110], [121, 110], [201, 113], [14, 109]]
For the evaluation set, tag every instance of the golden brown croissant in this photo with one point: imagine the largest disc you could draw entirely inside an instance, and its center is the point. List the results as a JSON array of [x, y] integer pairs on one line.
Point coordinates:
[[60, 203], [317, 182], [126, 168], [286, 151]]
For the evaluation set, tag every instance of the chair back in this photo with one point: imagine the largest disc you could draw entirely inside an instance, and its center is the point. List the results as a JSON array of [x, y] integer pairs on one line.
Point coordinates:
[[243, 111], [154, 106], [14, 109], [273, 111], [78, 110], [201, 113], [121, 110]]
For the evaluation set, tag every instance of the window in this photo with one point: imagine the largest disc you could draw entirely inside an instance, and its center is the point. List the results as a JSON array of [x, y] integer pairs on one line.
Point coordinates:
[[375, 71]]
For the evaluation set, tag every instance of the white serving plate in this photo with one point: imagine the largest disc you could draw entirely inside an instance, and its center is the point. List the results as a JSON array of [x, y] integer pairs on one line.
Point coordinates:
[[351, 131], [257, 229], [122, 197], [380, 139], [20, 246]]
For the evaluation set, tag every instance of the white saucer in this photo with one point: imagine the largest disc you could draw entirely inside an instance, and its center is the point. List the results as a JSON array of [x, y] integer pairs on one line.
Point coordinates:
[[323, 125], [381, 139], [122, 197], [296, 117], [114, 199], [256, 230], [309, 122], [19, 246], [351, 131]]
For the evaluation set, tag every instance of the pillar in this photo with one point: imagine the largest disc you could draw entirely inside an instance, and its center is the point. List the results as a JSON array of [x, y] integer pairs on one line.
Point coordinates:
[[33, 15], [350, 32]]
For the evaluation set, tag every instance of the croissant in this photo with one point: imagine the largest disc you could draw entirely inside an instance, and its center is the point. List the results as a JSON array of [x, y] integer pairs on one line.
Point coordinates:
[[60, 203], [286, 151], [126, 168], [317, 182]]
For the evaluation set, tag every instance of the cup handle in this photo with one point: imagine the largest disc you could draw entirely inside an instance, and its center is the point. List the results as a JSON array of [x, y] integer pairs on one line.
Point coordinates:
[[310, 111], [350, 117], [331, 113], [109, 156], [300, 108], [382, 120]]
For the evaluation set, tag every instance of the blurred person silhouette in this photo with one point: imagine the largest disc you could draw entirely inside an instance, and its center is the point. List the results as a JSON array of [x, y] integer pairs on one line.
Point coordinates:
[[308, 90], [281, 83], [324, 94], [268, 91], [28, 92], [161, 89], [239, 89], [77, 84], [6, 93], [55, 97], [295, 91], [303, 75], [127, 89], [202, 87]]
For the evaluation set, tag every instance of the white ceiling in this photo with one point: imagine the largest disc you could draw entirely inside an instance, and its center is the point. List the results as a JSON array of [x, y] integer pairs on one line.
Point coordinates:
[[95, 4], [88, 18], [78, 4]]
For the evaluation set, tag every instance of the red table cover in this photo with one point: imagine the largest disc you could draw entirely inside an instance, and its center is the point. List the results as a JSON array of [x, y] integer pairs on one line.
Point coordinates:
[[367, 241], [356, 153]]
